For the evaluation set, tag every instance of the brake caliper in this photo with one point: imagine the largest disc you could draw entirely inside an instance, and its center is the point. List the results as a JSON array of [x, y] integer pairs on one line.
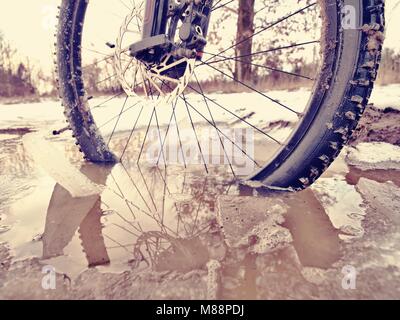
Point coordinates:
[[176, 27]]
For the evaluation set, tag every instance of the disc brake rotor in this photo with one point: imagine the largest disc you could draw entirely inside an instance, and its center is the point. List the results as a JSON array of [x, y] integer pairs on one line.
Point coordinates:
[[163, 81]]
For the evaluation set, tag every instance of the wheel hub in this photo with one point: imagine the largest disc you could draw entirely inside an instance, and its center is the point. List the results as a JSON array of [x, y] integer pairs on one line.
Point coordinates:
[[162, 62]]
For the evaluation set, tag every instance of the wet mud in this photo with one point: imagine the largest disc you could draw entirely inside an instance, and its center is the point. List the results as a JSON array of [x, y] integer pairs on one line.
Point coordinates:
[[169, 233]]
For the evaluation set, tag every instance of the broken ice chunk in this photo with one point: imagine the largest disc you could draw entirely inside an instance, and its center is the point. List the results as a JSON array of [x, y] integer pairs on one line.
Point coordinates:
[[383, 197], [56, 165], [253, 221], [343, 204]]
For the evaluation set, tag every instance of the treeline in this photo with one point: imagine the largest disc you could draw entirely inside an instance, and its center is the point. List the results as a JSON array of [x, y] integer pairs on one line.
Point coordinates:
[[18, 80], [389, 71], [15, 78]]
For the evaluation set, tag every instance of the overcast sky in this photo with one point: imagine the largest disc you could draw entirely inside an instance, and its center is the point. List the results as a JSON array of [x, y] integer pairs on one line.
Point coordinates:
[[29, 26]]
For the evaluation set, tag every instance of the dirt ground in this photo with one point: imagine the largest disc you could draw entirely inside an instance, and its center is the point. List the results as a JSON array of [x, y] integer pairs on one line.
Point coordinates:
[[153, 234], [378, 125]]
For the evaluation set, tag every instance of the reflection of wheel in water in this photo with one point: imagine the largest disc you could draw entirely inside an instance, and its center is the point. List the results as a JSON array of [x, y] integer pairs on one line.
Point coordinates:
[[296, 136], [144, 217], [164, 252], [157, 219], [114, 229]]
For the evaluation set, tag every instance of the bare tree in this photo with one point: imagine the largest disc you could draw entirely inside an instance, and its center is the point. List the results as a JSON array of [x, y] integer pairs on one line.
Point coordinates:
[[257, 36], [244, 39], [15, 77]]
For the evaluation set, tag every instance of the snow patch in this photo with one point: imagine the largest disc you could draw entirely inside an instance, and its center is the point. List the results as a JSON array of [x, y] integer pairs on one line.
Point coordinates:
[[374, 155], [384, 97]]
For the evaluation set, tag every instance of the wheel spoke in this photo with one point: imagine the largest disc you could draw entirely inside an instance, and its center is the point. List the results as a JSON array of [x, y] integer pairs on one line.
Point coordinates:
[[214, 123], [257, 91], [180, 140], [126, 202], [195, 132], [117, 122], [255, 65], [198, 209], [107, 100], [98, 61], [236, 116], [116, 116], [222, 5], [159, 221], [221, 132], [265, 51], [216, 4], [131, 133], [159, 136], [167, 130], [147, 187], [136, 187], [125, 5], [96, 51], [145, 136], [269, 26], [106, 79]]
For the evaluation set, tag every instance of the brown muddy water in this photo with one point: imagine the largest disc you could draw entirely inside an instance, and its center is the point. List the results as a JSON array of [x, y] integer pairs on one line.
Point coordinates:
[[152, 233]]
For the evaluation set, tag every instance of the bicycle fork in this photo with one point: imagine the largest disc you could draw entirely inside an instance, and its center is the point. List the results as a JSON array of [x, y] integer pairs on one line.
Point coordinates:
[[177, 27]]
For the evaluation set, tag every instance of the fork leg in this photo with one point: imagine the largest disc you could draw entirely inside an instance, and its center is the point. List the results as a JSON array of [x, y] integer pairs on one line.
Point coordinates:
[[155, 18]]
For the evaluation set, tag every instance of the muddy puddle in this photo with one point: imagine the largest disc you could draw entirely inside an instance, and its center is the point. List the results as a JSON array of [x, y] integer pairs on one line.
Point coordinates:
[[175, 233]]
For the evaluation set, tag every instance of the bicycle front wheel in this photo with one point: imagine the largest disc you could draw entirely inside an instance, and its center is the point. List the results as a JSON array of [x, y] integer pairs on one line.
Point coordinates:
[[280, 95]]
